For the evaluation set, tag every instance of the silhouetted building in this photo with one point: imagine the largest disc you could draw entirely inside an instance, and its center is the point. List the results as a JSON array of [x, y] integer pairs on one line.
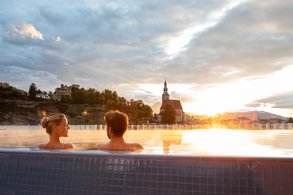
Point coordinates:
[[176, 104]]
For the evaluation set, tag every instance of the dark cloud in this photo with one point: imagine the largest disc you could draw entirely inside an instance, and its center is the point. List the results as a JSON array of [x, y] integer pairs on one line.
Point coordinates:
[[250, 41], [279, 101]]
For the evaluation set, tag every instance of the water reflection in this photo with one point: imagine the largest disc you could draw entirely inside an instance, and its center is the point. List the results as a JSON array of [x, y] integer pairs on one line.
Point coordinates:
[[170, 139], [268, 143], [225, 142]]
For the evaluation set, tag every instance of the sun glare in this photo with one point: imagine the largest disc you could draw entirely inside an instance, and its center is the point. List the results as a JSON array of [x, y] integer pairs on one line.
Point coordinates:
[[235, 96], [228, 97], [224, 142]]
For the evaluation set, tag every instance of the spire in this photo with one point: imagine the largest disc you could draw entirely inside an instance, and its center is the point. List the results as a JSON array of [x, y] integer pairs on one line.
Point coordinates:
[[165, 95], [165, 86]]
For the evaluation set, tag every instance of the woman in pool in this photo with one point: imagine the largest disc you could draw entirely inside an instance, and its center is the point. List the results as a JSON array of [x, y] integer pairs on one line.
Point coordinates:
[[56, 125]]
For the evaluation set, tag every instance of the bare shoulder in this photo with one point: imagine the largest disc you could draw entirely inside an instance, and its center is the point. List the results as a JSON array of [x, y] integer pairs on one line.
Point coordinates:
[[120, 147], [136, 147], [102, 146], [99, 146], [43, 146], [68, 146], [55, 146]]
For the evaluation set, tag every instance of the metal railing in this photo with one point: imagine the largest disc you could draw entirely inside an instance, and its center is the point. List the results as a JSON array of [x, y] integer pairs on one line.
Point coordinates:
[[254, 126]]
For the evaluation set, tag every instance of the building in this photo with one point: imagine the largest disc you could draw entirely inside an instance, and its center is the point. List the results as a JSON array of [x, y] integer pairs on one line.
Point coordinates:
[[176, 104], [63, 90], [43, 95]]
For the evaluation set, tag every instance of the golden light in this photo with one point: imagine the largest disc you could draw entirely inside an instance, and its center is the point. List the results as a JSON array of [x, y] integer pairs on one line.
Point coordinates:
[[43, 113], [235, 96], [225, 142], [84, 113]]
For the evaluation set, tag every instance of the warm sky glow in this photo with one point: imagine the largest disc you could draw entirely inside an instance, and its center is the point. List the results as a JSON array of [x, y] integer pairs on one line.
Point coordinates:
[[235, 96], [230, 96]]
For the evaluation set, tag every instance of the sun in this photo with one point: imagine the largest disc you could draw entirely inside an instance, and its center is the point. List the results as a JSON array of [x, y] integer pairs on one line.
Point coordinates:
[[237, 95], [214, 102]]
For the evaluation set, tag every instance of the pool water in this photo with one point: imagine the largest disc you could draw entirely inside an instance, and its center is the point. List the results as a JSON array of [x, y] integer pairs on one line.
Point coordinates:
[[211, 142]]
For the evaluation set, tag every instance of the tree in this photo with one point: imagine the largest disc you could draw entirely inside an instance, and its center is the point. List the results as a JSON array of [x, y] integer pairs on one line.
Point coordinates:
[[66, 99], [290, 120], [32, 92], [137, 111], [110, 105], [10, 92], [169, 114]]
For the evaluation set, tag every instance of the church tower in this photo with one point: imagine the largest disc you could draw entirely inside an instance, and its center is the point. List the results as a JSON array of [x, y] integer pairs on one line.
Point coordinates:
[[176, 104], [165, 95]]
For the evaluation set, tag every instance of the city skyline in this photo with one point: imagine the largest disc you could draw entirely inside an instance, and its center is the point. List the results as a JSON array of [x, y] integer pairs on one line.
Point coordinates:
[[217, 56]]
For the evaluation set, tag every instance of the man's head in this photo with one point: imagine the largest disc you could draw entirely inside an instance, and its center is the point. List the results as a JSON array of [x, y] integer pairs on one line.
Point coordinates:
[[117, 121]]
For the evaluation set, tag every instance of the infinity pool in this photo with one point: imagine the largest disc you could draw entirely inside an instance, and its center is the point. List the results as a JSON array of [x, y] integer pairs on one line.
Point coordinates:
[[212, 142], [208, 162]]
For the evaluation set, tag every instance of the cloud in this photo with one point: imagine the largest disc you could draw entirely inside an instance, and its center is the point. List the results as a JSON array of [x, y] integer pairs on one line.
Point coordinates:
[[179, 43], [248, 41], [57, 39], [278, 101], [121, 45], [42, 78], [24, 30]]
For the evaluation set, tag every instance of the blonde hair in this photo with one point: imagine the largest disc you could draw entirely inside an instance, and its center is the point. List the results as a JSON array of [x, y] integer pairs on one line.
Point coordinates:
[[48, 121]]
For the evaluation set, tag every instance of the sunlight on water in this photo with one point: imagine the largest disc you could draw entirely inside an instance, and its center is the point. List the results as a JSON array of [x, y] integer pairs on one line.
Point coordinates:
[[212, 142], [227, 142]]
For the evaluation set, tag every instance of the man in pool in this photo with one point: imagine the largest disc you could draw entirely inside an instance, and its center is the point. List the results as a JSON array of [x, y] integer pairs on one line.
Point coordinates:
[[117, 123]]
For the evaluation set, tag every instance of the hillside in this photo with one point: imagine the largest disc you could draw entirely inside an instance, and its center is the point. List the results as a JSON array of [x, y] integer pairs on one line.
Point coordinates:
[[21, 112], [82, 106]]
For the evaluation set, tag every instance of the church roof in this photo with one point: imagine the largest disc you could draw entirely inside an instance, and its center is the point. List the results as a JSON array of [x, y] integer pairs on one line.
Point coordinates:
[[175, 103]]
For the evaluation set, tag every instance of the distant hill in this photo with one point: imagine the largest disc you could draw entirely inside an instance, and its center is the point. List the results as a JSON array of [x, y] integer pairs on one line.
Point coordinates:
[[156, 107], [252, 115], [198, 116]]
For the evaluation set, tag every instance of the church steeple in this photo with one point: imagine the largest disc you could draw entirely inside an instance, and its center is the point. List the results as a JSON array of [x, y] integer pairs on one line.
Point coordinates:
[[165, 95]]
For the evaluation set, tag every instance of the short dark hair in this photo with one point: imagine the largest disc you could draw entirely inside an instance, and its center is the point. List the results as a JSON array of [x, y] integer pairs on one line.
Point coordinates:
[[118, 121]]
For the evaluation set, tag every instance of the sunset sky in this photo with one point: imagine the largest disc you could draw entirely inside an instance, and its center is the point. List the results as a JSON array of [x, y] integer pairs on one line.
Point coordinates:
[[217, 56]]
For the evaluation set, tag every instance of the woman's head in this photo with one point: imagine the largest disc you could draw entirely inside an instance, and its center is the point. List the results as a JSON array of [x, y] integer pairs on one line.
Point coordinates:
[[56, 122]]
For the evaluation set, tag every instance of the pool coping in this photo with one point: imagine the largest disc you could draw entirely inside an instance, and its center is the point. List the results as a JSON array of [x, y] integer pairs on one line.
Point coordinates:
[[117, 154]]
